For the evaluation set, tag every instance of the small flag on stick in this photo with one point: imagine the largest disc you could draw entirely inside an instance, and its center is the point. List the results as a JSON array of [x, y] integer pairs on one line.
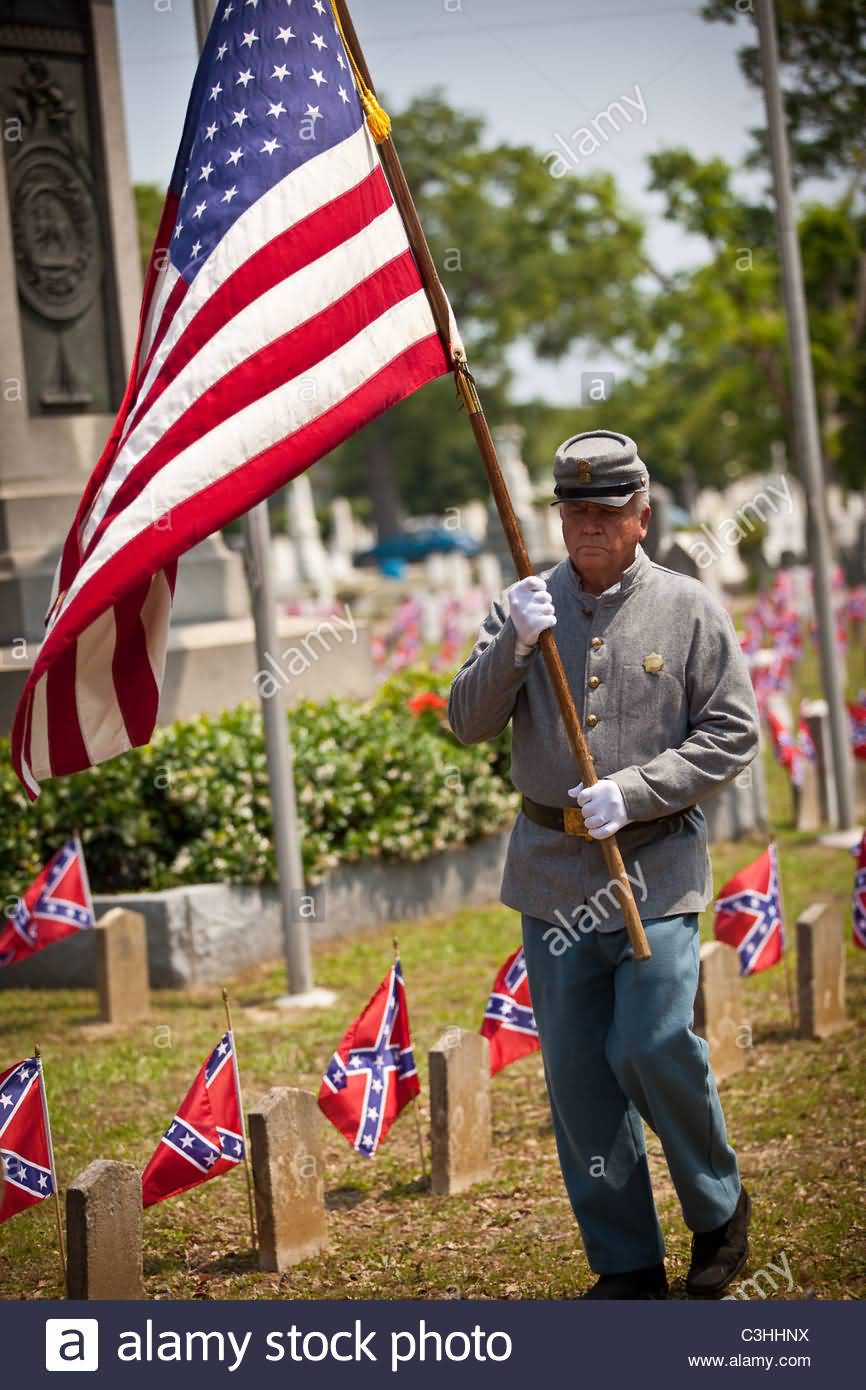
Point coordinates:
[[57, 904], [509, 1022], [372, 1074], [206, 1136], [749, 914], [24, 1144]]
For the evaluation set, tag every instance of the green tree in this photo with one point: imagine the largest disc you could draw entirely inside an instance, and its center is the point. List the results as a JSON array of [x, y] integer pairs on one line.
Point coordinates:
[[822, 54], [149, 202], [722, 328], [522, 255]]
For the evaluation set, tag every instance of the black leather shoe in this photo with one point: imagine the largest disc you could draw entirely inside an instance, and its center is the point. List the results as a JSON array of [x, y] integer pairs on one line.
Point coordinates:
[[633, 1283], [719, 1255]]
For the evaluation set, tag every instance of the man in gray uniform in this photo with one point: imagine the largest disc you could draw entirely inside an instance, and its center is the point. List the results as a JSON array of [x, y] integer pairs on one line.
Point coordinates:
[[667, 705]]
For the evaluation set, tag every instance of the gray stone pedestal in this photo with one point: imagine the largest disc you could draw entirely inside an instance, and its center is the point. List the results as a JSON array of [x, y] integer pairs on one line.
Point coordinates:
[[70, 284]]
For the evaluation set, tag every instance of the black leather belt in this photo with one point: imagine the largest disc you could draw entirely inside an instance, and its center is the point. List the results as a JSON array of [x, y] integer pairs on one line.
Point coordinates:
[[569, 819]]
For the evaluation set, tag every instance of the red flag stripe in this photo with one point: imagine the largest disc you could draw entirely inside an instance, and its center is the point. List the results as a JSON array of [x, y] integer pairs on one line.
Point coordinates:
[[296, 247], [150, 550], [275, 364]]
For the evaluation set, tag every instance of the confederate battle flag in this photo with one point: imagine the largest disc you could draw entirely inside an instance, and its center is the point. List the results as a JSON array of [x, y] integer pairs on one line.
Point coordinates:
[[25, 1148], [509, 1022], [749, 914], [372, 1074], [56, 904], [860, 897], [205, 1138]]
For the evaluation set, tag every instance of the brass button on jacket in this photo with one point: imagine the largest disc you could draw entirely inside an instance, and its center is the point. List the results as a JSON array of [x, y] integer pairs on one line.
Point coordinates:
[[594, 682], [596, 642], [592, 720]]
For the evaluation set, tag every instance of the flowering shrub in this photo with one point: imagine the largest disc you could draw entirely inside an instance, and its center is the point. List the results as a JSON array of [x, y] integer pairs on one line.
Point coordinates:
[[375, 779]]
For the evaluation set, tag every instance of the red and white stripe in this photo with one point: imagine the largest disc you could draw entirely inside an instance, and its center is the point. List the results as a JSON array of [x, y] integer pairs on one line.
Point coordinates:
[[308, 320]]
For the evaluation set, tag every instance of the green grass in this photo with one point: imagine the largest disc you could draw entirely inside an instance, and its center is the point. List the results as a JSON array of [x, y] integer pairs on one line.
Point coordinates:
[[795, 1115]]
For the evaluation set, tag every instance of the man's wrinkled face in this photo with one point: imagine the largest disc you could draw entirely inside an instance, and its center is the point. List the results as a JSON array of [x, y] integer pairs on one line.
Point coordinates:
[[601, 541]]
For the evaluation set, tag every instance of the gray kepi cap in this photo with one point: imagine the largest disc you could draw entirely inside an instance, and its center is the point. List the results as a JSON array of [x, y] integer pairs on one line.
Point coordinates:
[[598, 466]]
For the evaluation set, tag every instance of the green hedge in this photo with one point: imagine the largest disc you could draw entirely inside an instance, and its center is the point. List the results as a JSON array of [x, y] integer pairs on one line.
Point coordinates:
[[372, 780]]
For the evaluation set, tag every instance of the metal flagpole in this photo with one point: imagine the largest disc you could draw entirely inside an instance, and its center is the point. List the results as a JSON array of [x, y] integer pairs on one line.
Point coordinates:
[[507, 515], [240, 1100], [786, 943], [257, 563], [807, 437], [37, 1052]]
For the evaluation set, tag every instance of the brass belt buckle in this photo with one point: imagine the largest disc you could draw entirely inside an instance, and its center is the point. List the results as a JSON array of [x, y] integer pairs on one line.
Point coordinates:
[[572, 820]]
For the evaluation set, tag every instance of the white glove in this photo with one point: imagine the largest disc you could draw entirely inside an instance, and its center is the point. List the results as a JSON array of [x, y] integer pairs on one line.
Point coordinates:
[[531, 609], [602, 806]]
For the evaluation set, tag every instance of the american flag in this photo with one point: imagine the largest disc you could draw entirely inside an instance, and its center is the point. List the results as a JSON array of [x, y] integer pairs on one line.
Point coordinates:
[[509, 1022], [25, 1144], [206, 1137], [749, 914], [372, 1074], [57, 904], [282, 311]]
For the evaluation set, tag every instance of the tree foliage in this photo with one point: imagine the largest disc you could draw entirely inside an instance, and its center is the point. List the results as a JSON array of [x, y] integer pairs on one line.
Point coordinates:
[[822, 53]]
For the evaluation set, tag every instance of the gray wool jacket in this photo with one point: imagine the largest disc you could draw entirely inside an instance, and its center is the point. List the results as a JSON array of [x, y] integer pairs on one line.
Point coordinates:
[[669, 731]]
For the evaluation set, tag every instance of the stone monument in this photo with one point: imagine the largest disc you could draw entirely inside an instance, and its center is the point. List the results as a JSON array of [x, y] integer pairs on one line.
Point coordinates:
[[70, 297], [70, 283]]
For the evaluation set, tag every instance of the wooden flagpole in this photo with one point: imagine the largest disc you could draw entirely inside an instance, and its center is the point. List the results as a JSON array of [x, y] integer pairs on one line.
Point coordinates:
[[37, 1052], [507, 515], [237, 1071], [418, 1129]]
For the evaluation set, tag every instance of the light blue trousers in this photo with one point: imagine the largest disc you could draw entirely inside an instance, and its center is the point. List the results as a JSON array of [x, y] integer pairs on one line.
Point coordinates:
[[617, 1042]]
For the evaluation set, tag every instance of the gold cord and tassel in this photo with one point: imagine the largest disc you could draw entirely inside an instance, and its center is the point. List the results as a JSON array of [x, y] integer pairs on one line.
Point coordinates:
[[378, 120]]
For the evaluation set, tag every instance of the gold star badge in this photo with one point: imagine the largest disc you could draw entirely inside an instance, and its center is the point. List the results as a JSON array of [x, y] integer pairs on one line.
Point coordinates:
[[584, 471], [653, 663]]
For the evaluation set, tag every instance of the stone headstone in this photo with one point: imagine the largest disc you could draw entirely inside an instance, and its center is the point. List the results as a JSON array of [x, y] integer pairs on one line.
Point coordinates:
[[458, 573], [121, 966], [508, 439], [489, 575], [343, 542], [104, 1232], [678, 557], [284, 567], [312, 557], [289, 1177], [740, 807], [817, 716], [659, 531], [808, 813], [821, 970], [432, 608], [436, 570], [473, 516], [459, 1111], [719, 1009]]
